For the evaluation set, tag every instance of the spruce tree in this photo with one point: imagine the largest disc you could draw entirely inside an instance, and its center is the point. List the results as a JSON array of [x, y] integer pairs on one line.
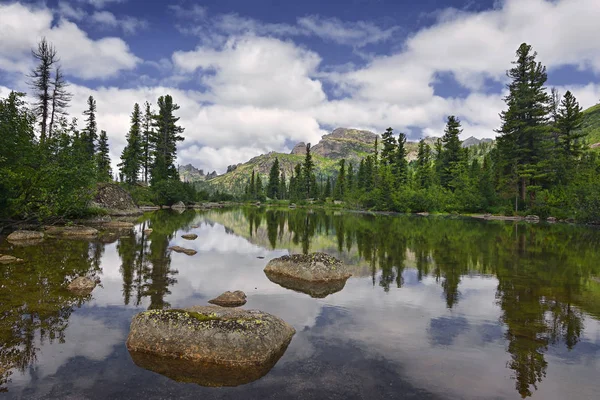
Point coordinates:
[[350, 179], [327, 190], [568, 124], [59, 100], [132, 156], [41, 84], [389, 147], [452, 152], [400, 167], [273, 185], [90, 132], [147, 134], [524, 134], [104, 171], [259, 187], [252, 189], [307, 172], [282, 191], [340, 184], [423, 168], [164, 140]]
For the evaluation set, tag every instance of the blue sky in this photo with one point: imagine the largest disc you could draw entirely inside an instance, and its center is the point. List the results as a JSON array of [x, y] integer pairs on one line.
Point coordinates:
[[257, 76]]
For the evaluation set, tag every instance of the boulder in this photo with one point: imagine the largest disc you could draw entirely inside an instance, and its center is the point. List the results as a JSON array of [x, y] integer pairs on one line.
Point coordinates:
[[316, 274], [115, 199], [25, 235], [6, 259], [179, 204], [71, 232], [209, 345], [190, 236], [230, 299], [118, 225], [82, 285], [179, 249]]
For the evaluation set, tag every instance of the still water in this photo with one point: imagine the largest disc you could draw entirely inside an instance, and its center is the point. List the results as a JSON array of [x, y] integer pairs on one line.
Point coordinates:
[[437, 308]]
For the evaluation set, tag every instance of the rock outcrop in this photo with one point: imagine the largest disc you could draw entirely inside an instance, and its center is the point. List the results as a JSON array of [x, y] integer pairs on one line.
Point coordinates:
[[230, 299], [179, 249], [210, 345], [6, 259], [299, 149], [71, 232], [316, 274], [82, 285], [115, 200]]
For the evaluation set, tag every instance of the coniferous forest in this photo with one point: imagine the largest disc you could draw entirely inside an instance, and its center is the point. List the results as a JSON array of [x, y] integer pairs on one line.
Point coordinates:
[[51, 164]]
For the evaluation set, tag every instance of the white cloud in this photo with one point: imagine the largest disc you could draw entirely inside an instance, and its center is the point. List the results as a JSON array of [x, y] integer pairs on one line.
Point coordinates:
[[81, 56], [127, 23], [100, 3], [355, 33]]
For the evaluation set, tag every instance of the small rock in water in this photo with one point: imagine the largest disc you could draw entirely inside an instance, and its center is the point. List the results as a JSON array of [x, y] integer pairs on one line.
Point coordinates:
[[148, 231], [190, 236], [6, 259], [261, 257], [82, 285], [25, 235], [230, 299], [72, 232], [118, 225], [179, 249]]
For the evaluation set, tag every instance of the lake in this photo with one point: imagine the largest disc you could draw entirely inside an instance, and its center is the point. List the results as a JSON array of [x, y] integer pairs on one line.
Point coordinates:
[[437, 307]]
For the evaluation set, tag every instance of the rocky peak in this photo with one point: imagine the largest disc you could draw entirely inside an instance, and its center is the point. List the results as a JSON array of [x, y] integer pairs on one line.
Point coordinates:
[[352, 134], [299, 149]]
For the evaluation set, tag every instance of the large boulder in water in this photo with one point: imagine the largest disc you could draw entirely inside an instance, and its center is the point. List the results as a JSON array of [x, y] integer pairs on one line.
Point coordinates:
[[208, 345], [115, 199], [82, 285], [25, 238], [6, 259], [316, 274], [71, 232]]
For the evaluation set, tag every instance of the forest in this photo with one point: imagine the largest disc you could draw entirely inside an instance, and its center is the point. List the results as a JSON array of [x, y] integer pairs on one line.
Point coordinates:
[[540, 163]]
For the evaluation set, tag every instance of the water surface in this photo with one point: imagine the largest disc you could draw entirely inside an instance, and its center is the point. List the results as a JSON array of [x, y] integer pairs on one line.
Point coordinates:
[[437, 308]]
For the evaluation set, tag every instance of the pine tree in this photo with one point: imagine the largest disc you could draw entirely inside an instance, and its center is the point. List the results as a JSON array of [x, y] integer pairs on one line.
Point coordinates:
[[60, 99], [400, 167], [452, 152], [90, 132], [252, 189], [282, 191], [350, 179], [523, 141], [340, 184], [164, 141], [568, 124], [147, 134], [307, 172], [104, 170], [259, 187], [273, 185], [327, 190], [41, 84], [132, 156], [423, 168], [389, 147]]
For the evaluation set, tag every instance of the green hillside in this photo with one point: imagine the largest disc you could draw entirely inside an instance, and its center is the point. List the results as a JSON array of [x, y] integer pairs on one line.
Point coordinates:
[[591, 125]]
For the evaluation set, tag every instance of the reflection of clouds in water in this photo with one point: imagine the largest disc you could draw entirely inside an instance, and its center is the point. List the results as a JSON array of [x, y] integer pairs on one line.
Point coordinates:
[[87, 337], [443, 330]]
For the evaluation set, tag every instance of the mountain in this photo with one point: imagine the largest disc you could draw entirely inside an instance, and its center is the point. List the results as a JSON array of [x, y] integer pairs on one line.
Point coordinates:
[[189, 173], [591, 126], [472, 141], [350, 144]]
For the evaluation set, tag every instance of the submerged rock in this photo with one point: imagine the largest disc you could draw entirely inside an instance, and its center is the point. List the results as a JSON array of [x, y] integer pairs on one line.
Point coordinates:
[[210, 346], [190, 236], [82, 285], [71, 232], [118, 225], [6, 259], [25, 235], [179, 249], [316, 274], [230, 299]]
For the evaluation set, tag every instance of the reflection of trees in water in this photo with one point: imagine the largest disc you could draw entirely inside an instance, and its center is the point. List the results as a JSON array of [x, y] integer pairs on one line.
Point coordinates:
[[34, 302], [540, 269], [146, 260]]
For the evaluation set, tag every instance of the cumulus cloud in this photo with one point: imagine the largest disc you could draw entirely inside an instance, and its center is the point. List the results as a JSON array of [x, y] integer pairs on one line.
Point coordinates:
[[356, 33], [127, 24], [81, 56]]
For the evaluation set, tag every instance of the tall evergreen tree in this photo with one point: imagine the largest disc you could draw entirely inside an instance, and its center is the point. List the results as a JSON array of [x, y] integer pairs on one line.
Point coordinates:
[[523, 141], [147, 134], [273, 185], [259, 187], [568, 123], [327, 190], [252, 188], [90, 132], [41, 84], [164, 140], [389, 147], [104, 170], [400, 167], [282, 191], [423, 168], [452, 152], [340, 184], [132, 156], [60, 99], [307, 172]]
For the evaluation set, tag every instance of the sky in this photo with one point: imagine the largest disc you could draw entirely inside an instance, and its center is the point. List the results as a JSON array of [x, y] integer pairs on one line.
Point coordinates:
[[253, 76]]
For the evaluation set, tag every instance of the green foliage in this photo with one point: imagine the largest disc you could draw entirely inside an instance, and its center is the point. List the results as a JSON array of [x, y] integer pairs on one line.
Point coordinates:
[[103, 159], [273, 186], [132, 155], [169, 192]]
